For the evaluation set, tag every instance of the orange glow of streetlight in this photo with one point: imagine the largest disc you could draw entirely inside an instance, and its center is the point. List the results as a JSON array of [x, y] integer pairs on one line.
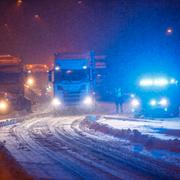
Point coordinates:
[[19, 2]]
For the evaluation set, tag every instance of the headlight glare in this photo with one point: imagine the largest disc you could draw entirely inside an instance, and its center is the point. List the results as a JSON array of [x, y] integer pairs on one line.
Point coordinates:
[[30, 81], [163, 102], [88, 100], [3, 106], [153, 102], [56, 102], [135, 103]]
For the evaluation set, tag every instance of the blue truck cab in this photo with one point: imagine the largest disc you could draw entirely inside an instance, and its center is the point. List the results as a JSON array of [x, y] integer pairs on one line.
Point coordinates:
[[73, 81]]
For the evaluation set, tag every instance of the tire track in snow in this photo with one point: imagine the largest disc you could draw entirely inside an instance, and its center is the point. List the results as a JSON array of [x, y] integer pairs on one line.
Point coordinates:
[[23, 134], [131, 160], [102, 161], [77, 152], [82, 163]]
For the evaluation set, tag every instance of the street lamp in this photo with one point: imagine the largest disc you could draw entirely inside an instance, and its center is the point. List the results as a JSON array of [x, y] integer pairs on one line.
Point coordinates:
[[169, 30], [19, 2], [37, 17]]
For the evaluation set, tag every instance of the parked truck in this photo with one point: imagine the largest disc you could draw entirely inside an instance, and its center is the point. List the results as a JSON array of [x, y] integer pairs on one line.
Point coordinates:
[[12, 85], [73, 80], [36, 82]]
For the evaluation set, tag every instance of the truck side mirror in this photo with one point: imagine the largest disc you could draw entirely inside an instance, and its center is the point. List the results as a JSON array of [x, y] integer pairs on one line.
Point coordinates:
[[50, 76]]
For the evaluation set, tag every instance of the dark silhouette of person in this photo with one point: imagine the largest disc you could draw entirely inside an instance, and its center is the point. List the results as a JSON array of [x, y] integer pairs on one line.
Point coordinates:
[[119, 100]]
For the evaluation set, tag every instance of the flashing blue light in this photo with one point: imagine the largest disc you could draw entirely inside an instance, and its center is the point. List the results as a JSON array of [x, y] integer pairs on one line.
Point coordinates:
[[161, 82], [146, 82], [173, 81], [156, 82]]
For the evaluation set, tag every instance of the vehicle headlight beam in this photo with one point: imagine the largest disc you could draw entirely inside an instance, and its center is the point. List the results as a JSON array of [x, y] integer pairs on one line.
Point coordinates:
[[88, 100], [3, 106], [135, 103], [153, 102], [163, 102], [56, 102]]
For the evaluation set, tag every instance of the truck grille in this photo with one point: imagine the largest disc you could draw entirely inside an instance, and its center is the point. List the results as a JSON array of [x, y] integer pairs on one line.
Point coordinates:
[[72, 98]]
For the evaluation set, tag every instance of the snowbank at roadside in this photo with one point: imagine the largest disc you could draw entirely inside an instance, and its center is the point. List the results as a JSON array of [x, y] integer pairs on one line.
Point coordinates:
[[132, 130], [164, 128]]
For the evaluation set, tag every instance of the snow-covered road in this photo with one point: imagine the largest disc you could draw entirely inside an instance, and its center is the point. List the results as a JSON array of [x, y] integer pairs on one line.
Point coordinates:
[[62, 148]]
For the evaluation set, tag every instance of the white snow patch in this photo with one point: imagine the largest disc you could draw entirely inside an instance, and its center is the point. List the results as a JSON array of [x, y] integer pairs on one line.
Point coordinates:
[[159, 128], [144, 136]]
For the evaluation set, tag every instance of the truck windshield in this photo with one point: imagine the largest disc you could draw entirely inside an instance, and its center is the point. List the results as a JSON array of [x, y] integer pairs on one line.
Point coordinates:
[[71, 75], [10, 73], [9, 77]]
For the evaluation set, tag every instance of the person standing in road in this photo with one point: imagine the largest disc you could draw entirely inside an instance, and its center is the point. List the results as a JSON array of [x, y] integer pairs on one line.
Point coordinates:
[[119, 100]]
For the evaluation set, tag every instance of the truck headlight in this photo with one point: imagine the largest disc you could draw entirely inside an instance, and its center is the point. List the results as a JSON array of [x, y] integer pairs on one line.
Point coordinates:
[[135, 103], [163, 102], [30, 81], [88, 100], [153, 102], [3, 106], [56, 102]]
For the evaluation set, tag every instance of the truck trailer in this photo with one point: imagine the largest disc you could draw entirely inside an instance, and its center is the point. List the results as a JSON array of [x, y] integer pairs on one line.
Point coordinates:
[[73, 80], [12, 85]]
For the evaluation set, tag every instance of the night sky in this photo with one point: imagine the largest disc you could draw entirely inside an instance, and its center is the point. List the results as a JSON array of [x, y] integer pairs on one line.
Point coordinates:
[[133, 33]]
